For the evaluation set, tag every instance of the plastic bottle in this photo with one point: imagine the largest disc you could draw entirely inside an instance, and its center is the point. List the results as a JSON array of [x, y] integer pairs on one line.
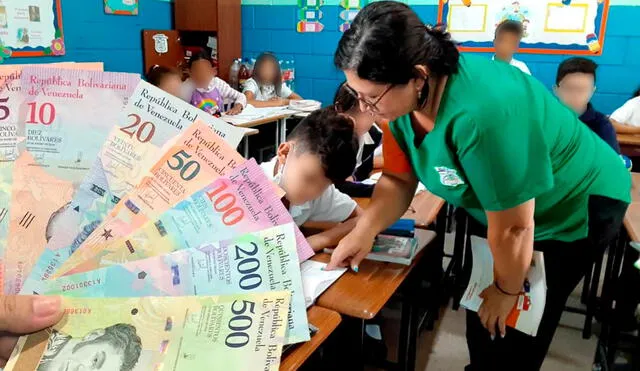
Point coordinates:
[[288, 73], [233, 73], [243, 74]]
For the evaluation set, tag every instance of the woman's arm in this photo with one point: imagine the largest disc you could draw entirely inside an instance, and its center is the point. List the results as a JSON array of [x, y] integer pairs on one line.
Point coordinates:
[[510, 237], [391, 198], [624, 129], [332, 236]]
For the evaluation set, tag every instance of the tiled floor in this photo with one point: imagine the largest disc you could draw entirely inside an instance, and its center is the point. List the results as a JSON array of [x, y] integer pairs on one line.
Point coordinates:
[[445, 349]]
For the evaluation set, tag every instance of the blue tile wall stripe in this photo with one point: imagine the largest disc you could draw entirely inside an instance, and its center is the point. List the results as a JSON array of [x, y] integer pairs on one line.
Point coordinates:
[[312, 52]]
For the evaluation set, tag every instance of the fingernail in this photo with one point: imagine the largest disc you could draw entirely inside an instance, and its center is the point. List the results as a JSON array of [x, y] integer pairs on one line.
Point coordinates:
[[45, 306], [502, 335], [322, 268], [355, 268], [493, 337]]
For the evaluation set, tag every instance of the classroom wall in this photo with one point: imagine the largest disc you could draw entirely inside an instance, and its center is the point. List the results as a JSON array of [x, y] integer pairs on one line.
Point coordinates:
[[269, 25], [93, 36]]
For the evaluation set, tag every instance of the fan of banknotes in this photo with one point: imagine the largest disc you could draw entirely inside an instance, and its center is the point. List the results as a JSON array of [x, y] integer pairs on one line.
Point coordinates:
[[170, 250]]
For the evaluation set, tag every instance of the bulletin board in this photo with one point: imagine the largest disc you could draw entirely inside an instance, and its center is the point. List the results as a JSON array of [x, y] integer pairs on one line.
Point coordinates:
[[574, 27], [31, 28]]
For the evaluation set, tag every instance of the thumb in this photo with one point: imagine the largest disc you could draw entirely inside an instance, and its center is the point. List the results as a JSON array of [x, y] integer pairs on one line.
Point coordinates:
[[25, 314]]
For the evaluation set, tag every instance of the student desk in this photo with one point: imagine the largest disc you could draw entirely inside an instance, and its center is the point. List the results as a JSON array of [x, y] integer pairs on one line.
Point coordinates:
[[245, 140], [629, 144], [279, 119], [326, 321]]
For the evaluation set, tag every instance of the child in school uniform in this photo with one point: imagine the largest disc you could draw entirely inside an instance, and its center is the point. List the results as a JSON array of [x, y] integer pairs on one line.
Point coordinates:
[[167, 79], [507, 41], [265, 88], [626, 119], [208, 92], [575, 85], [369, 139], [319, 152]]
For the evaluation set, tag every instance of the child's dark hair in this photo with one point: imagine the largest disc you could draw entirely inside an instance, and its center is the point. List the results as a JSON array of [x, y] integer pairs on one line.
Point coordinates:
[[576, 65], [157, 73], [510, 26], [636, 93], [344, 101], [199, 56], [387, 40], [264, 58], [330, 136]]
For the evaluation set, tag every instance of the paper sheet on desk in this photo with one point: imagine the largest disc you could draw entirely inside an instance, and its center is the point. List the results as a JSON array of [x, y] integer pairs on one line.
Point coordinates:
[[315, 281], [251, 113]]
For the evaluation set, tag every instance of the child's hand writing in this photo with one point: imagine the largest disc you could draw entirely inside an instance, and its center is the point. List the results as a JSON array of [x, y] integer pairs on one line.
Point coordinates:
[[236, 109]]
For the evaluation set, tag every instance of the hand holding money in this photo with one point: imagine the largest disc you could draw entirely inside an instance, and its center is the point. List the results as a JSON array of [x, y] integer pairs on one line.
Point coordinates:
[[22, 315]]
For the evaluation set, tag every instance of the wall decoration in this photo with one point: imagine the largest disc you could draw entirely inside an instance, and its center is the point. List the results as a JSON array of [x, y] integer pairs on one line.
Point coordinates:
[[550, 26], [309, 16], [31, 30], [121, 7], [351, 9]]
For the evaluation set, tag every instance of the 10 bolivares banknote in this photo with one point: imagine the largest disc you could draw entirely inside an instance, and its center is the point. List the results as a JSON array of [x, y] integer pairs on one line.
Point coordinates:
[[255, 262], [235, 332], [151, 120]]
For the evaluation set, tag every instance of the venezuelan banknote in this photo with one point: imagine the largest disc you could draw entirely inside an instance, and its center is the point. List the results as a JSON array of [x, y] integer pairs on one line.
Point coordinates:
[[255, 262], [64, 119], [197, 158], [11, 98], [243, 201], [231, 333], [152, 120]]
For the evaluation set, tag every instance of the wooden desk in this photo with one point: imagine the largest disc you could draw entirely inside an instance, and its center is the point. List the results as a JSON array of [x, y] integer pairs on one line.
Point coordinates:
[[326, 321], [245, 140], [363, 294], [629, 144], [280, 120]]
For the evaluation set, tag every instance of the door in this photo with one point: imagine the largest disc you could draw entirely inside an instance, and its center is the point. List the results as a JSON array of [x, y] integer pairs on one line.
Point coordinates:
[[162, 47]]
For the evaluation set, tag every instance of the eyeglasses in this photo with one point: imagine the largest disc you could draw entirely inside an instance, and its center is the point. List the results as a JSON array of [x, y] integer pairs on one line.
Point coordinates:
[[370, 106]]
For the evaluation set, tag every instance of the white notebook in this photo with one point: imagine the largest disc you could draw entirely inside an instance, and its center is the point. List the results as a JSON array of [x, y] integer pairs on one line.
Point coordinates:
[[315, 281]]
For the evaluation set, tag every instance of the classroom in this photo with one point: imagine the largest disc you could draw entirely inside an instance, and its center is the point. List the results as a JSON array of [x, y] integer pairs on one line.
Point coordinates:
[[320, 185]]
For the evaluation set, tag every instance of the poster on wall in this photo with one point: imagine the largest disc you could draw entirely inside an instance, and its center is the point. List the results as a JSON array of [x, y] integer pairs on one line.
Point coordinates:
[[121, 7], [351, 9], [550, 26], [31, 28], [309, 16]]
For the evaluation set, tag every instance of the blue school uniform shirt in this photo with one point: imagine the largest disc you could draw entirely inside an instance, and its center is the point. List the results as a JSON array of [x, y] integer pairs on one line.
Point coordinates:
[[600, 124]]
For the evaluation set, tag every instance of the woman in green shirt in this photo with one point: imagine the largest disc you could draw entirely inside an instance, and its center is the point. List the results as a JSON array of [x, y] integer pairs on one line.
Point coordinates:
[[485, 137]]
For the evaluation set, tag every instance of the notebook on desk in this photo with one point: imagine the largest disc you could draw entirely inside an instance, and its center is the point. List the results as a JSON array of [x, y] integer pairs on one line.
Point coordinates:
[[315, 280]]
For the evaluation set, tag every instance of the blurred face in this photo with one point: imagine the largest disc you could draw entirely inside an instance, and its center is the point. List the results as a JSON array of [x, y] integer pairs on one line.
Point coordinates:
[[363, 121], [202, 73], [268, 70], [506, 44], [303, 178], [85, 355], [171, 84], [575, 90], [385, 101]]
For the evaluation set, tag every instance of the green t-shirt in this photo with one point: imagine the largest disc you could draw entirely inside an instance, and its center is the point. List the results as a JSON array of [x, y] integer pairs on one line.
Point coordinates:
[[500, 139]]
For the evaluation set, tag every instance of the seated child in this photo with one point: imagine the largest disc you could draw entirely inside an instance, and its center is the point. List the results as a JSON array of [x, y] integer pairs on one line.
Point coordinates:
[[319, 152], [507, 41], [626, 119], [369, 139], [265, 88], [209, 92], [167, 79], [575, 85]]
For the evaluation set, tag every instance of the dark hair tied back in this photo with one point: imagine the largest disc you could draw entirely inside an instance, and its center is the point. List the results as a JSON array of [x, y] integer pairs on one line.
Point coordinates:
[[387, 40]]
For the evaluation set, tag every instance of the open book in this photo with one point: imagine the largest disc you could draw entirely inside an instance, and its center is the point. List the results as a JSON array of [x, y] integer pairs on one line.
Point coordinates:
[[527, 313], [315, 280]]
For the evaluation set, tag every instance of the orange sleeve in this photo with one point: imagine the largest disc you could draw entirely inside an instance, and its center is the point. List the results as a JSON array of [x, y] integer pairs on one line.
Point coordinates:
[[395, 160]]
